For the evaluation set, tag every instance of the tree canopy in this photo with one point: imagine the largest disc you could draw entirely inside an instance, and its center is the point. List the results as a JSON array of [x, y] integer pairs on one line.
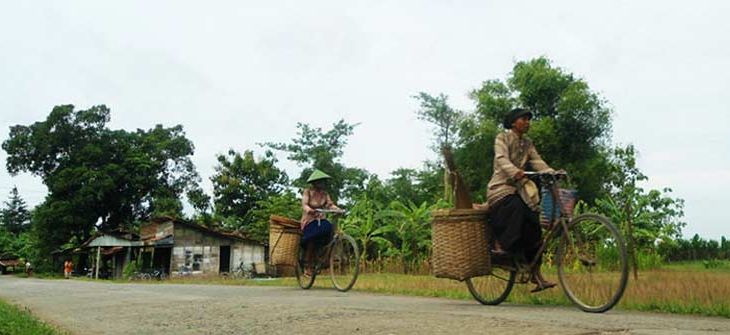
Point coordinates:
[[99, 178]]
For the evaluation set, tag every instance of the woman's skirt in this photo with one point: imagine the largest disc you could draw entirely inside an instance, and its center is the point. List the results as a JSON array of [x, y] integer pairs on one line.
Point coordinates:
[[317, 231]]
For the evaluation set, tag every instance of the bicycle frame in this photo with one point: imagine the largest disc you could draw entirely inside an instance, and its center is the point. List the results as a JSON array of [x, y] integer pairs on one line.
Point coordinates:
[[559, 224]]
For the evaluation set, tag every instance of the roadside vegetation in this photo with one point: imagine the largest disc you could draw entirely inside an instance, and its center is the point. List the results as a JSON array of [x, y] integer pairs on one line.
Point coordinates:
[[15, 321]]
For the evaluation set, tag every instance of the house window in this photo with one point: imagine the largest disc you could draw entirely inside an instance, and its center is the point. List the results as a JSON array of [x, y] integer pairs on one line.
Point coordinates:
[[188, 259], [197, 260]]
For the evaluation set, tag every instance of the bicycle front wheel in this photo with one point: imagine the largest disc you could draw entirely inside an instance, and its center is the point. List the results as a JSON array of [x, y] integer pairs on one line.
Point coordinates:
[[344, 263], [304, 281], [592, 263], [494, 288]]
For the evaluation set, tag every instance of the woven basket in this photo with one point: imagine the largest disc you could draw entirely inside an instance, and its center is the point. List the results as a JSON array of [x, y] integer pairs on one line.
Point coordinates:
[[284, 237], [460, 243]]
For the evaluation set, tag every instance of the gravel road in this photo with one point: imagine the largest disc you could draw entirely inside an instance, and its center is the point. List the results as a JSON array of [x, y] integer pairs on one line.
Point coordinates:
[[83, 307]]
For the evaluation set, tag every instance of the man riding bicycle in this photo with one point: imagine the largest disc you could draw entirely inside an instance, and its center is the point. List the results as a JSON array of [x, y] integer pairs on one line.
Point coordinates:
[[317, 231], [513, 199]]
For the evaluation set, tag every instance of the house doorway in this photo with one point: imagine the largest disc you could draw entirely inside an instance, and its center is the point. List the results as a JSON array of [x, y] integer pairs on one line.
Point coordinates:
[[225, 259]]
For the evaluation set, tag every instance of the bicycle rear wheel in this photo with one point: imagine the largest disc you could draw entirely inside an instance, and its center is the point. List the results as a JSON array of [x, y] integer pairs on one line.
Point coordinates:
[[494, 288], [592, 263], [304, 281], [344, 263]]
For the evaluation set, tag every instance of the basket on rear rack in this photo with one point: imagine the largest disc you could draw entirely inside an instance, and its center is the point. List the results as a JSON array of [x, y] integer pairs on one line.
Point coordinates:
[[460, 243], [284, 237]]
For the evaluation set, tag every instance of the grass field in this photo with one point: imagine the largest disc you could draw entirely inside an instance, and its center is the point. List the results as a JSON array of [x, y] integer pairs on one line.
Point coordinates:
[[14, 321]]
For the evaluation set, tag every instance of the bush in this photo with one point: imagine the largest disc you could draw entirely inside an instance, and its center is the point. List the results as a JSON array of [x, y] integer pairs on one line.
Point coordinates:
[[648, 260], [130, 269]]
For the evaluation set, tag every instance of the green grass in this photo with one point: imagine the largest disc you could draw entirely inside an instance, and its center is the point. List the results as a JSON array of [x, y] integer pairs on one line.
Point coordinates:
[[14, 321]]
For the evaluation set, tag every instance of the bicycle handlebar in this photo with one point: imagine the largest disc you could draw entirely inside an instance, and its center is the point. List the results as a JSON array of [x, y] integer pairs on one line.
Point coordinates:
[[334, 211], [551, 176]]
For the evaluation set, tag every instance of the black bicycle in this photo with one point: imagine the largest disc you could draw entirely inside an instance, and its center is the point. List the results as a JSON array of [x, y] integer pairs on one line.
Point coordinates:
[[590, 255], [340, 255]]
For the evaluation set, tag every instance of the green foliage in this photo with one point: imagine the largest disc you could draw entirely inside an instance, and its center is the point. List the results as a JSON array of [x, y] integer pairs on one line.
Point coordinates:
[[130, 269], [695, 248], [436, 110], [475, 153], [571, 124], [643, 217], [95, 174], [315, 148], [15, 321], [366, 223], [284, 204], [240, 182]]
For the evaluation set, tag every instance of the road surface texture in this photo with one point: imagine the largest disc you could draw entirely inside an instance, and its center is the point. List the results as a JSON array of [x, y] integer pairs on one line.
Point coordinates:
[[84, 307]]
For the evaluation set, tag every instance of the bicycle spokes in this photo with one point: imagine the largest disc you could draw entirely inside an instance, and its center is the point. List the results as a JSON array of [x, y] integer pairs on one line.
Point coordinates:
[[592, 263], [344, 263]]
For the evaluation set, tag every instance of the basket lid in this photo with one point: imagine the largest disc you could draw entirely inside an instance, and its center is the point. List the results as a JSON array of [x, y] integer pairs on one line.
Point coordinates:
[[283, 221], [451, 212]]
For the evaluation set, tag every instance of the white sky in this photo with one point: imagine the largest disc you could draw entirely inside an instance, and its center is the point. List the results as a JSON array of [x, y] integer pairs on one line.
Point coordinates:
[[238, 73]]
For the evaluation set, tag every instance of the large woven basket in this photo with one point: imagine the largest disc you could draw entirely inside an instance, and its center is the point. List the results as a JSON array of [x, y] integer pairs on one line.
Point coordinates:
[[284, 237], [460, 243]]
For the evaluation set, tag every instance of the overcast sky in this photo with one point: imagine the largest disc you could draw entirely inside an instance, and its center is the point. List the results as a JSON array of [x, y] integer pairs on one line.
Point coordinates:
[[235, 74]]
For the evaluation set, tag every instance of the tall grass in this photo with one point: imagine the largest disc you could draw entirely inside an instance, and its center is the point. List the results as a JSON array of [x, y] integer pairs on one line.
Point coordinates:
[[20, 322]]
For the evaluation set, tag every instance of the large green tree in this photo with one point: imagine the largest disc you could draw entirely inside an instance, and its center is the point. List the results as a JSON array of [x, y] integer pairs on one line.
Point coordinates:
[[240, 182], [99, 178], [571, 126]]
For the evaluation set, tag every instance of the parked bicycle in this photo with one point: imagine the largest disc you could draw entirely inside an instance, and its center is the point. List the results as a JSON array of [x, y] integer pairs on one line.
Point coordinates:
[[158, 274], [340, 255], [243, 271], [590, 255], [185, 271]]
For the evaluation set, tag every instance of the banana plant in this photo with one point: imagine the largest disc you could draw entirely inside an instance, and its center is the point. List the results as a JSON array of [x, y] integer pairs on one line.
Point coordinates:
[[365, 224]]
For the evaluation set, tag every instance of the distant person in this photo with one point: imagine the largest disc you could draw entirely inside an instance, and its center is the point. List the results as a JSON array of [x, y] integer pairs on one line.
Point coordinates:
[[28, 269], [317, 231], [68, 267], [513, 199]]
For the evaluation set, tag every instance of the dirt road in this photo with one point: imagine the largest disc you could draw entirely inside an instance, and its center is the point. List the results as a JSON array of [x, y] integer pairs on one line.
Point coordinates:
[[84, 307]]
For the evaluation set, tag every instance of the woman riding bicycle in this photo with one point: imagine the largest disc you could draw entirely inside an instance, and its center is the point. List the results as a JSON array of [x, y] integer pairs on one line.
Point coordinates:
[[513, 199], [317, 231]]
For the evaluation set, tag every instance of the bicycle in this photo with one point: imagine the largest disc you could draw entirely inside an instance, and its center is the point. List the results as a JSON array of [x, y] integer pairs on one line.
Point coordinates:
[[243, 271], [340, 255], [590, 256]]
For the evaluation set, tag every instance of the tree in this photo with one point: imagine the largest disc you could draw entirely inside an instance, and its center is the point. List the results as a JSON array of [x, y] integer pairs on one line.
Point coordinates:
[[411, 232], [365, 223], [436, 110], [99, 178], [15, 217], [644, 217], [416, 186], [571, 124], [315, 148], [284, 204], [240, 182]]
